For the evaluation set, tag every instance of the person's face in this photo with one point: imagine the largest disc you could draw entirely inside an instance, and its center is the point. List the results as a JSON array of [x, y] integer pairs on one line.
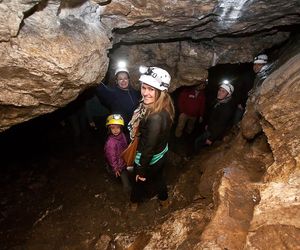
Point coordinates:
[[257, 67], [122, 80], [148, 93], [115, 129], [222, 93]]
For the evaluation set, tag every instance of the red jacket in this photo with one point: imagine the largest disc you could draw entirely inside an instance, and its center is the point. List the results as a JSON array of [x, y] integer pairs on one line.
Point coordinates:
[[191, 103]]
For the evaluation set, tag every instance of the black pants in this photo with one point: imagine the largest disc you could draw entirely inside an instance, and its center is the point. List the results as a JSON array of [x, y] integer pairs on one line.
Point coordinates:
[[154, 185]]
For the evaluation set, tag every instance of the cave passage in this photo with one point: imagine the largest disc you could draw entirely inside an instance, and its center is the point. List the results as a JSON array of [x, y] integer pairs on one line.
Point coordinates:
[[54, 183]]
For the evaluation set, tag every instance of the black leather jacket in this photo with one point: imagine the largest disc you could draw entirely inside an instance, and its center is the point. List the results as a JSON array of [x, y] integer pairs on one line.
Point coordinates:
[[154, 135]]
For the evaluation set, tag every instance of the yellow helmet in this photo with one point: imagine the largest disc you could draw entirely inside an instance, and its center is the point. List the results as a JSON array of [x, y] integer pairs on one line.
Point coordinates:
[[115, 119]]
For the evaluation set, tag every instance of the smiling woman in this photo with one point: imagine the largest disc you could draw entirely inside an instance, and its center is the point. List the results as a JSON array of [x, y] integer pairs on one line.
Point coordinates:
[[120, 98], [153, 119]]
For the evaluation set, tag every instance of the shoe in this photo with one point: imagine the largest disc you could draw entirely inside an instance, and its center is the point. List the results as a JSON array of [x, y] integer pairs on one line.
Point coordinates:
[[133, 206], [165, 204]]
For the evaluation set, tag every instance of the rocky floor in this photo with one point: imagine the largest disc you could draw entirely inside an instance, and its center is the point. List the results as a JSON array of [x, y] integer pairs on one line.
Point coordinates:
[[54, 195], [57, 196]]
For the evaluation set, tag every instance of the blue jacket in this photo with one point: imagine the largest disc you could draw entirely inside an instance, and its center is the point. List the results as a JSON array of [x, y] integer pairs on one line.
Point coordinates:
[[119, 101]]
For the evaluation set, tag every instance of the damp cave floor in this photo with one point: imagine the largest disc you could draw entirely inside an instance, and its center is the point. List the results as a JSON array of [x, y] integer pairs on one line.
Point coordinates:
[[61, 197]]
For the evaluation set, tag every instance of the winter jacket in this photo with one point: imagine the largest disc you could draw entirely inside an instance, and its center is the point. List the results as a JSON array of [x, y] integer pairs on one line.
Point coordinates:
[[220, 119], [191, 103], [119, 101], [113, 148], [153, 139]]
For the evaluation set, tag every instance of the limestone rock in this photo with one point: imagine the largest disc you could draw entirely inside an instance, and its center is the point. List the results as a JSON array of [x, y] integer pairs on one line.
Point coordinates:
[[277, 215], [140, 21], [12, 13], [50, 62]]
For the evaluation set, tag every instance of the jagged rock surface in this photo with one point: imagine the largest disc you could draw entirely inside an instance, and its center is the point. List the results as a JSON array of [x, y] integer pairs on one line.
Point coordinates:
[[54, 57], [53, 50]]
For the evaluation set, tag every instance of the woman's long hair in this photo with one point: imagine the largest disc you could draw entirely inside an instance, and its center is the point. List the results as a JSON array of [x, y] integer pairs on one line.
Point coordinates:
[[163, 102]]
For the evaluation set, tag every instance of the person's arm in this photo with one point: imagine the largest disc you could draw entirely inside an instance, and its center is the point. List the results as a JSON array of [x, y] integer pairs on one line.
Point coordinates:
[[105, 94]]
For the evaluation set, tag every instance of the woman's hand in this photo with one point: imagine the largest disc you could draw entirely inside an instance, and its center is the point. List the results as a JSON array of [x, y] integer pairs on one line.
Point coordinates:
[[139, 178]]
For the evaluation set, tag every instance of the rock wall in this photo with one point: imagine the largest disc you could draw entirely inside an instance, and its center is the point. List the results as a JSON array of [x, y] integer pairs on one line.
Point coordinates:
[[53, 50], [276, 223], [56, 54]]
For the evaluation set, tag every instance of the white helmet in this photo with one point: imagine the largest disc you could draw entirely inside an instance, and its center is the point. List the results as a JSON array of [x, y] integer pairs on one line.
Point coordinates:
[[121, 68], [261, 59], [228, 87], [118, 70], [155, 77]]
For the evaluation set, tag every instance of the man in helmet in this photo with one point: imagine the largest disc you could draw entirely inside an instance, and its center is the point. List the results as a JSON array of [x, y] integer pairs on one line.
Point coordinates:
[[220, 118], [259, 63], [120, 98], [261, 68]]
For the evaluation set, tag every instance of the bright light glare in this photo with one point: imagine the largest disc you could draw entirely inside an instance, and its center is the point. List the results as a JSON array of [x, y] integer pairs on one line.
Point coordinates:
[[225, 81], [121, 64], [143, 69]]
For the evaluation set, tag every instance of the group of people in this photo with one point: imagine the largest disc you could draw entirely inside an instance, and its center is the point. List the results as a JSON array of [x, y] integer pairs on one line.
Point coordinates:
[[149, 115], [226, 110], [150, 120]]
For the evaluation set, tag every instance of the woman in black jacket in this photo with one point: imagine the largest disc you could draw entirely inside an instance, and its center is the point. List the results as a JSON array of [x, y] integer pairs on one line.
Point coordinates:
[[151, 122]]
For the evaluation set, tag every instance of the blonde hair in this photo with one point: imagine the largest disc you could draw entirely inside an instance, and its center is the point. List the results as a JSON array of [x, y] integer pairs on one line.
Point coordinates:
[[163, 102]]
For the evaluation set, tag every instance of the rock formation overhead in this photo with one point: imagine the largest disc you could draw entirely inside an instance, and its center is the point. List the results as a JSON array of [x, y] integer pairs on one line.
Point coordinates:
[[53, 50], [56, 54]]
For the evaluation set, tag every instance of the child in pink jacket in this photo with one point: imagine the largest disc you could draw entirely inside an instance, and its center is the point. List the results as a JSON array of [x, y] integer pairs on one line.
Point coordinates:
[[115, 144]]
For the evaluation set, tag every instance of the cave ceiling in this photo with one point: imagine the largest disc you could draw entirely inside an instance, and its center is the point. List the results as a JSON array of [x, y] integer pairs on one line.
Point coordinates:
[[52, 50]]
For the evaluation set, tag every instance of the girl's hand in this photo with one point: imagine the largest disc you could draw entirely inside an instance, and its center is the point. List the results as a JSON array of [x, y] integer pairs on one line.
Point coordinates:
[[117, 173], [137, 178]]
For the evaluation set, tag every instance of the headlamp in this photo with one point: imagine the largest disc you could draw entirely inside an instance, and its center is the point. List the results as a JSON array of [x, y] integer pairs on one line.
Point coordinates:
[[143, 69], [225, 81], [121, 64]]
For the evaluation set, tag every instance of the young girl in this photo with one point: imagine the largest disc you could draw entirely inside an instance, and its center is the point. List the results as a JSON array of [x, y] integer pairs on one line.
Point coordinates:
[[115, 144]]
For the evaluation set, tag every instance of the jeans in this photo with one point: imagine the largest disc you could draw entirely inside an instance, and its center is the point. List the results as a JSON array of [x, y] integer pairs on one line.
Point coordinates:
[[182, 120]]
